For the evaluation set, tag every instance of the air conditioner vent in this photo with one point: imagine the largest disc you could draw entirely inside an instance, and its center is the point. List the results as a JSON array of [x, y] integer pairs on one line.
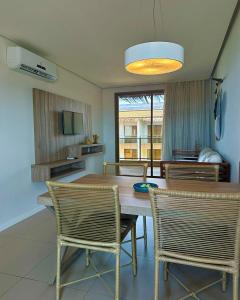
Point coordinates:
[[36, 72]]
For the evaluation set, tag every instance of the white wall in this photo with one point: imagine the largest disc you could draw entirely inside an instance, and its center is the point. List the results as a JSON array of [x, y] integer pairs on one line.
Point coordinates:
[[229, 69], [108, 98], [17, 192]]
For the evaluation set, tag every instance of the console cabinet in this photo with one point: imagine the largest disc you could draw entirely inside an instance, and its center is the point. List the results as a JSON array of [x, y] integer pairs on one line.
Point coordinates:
[[57, 169]]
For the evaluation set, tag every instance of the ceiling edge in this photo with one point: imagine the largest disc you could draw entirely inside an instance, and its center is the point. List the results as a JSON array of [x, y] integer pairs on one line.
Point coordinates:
[[228, 32]]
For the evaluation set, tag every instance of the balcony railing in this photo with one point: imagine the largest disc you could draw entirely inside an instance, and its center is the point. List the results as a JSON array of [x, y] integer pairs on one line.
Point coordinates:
[[139, 148], [140, 140]]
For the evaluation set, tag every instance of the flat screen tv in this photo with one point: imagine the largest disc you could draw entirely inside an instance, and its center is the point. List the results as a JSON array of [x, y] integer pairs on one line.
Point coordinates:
[[72, 123]]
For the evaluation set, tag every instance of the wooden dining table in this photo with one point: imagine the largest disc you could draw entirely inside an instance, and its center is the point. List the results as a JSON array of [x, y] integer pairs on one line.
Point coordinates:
[[136, 203]]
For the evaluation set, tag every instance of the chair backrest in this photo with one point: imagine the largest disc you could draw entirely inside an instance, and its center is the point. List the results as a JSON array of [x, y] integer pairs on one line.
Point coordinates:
[[200, 226], [126, 169], [182, 154], [192, 172], [86, 212]]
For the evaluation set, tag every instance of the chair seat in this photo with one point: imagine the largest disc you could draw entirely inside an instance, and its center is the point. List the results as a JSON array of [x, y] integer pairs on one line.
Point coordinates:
[[132, 217]]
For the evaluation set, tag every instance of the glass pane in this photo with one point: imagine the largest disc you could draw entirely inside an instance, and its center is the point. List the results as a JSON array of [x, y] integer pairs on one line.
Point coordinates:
[[157, 129], [134, 120], [140, 136]]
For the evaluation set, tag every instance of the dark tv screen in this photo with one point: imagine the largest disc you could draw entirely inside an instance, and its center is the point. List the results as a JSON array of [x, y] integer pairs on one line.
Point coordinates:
[[72, 123], [67, 122], [77, 123]]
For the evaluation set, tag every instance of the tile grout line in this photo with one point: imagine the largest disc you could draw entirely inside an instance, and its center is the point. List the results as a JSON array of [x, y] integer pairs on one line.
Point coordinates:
[[37, 265], [12, 286], [34, 280]]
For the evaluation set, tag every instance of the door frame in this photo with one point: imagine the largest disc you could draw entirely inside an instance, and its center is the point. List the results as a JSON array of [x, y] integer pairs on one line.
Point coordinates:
[[116, 114]]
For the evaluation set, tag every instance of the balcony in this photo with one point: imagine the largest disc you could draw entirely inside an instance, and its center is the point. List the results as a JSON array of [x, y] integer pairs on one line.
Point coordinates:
[[141, 140], [138, 149]]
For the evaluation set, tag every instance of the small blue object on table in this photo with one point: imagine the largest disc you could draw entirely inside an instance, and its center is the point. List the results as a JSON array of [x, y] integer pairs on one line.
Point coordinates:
[[142, 187]]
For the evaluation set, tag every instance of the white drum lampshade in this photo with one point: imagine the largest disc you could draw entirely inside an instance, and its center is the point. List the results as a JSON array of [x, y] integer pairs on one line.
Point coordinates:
[[154, 58]]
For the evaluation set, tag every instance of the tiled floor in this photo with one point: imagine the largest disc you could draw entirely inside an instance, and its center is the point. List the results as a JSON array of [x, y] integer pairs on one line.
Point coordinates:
[[27, 262]]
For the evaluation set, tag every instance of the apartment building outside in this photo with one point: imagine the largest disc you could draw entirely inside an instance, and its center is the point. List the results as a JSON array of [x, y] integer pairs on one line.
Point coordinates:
[[137, 138]]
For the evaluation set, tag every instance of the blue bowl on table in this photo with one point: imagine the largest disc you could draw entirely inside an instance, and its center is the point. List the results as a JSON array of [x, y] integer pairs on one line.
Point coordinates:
[[142, 187]]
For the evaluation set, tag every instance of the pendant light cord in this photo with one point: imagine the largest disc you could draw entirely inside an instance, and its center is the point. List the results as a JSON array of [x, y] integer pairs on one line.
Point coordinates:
[[154, 20], [160, 19]]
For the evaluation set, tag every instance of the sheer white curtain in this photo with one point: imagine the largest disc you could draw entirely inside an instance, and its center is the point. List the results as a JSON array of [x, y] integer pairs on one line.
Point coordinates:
[[187, 116]]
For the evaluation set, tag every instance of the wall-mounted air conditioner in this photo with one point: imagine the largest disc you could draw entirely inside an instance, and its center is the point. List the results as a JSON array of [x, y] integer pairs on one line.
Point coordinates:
[[22, 60]]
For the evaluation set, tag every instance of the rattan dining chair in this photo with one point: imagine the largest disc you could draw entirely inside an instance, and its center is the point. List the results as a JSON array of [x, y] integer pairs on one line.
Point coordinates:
[[192, 172], [88, 217], [197, 229], [129, 169]]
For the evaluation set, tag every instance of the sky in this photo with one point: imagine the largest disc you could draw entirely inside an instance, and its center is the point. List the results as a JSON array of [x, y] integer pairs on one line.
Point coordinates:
[[140, 102]]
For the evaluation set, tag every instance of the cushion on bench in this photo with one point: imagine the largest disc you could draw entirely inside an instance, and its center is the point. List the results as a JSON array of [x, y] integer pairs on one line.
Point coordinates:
[[208, 155]]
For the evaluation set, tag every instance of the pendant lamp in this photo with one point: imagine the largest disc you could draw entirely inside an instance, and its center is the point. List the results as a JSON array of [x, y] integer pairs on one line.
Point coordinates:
[[154, 58]]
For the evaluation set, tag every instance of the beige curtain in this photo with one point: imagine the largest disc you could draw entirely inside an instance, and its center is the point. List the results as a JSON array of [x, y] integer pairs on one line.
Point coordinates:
[[187, 115]]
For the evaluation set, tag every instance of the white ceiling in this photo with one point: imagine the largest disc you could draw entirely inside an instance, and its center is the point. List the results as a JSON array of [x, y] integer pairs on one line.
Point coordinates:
[[89, 36]]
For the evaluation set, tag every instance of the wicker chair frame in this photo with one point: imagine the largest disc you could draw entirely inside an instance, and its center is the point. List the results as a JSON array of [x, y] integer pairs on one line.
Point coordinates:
[[88, 217], [197, 229]]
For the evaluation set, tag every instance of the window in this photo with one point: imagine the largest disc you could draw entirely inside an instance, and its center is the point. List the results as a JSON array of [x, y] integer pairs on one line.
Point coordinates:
[[156, 133], [156, 154], [130, 130], [156, 130], [139, 119], [130, 153]]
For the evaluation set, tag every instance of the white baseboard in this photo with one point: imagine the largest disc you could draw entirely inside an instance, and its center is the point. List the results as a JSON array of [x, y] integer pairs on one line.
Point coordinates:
[[20, 218]]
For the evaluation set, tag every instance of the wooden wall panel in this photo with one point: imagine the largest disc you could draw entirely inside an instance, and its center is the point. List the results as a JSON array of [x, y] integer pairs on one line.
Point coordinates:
[[50, 143]]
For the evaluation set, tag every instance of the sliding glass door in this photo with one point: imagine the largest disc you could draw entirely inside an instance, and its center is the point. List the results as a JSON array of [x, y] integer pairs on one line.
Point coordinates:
[[139, 122]]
